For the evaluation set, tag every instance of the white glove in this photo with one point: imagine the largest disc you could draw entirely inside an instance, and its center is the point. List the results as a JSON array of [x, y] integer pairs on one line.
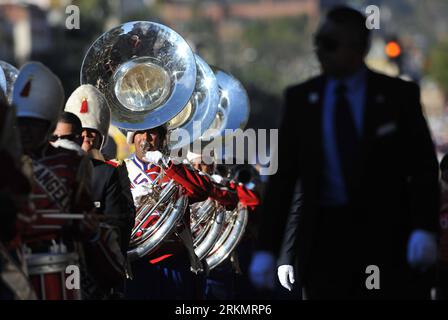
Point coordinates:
[[153, 157], [422, 249], [262, 270], [217, 178], [285, 275], [139, 192]]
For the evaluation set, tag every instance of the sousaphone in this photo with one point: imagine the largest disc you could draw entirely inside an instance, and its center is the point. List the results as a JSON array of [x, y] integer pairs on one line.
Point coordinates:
[[207, 223], [151, 78], [216, 239]]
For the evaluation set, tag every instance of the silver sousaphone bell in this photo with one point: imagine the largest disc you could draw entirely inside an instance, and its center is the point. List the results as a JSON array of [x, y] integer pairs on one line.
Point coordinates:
[[11, 74], [233, 108], [201, 110], [150, 77], [146, 71]]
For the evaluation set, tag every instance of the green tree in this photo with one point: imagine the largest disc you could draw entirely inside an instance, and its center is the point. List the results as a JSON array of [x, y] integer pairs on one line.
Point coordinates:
[[438, 65], [272, 52]]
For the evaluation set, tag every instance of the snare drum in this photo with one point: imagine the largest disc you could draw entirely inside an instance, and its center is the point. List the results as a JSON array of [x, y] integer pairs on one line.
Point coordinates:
[[47, 274]]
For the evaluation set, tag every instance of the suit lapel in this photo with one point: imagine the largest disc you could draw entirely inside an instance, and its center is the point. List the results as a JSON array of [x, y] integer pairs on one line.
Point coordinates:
[[315, 98], [374, 110]]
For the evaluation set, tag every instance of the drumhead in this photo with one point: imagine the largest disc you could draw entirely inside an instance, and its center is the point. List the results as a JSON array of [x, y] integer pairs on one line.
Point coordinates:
[[40, 263]]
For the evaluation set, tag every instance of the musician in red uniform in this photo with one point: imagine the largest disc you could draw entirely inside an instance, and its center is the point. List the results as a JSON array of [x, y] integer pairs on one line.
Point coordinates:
[[60, 177], [60, 188], [15, 188], [227, 192], [228, 280], [165, 274]]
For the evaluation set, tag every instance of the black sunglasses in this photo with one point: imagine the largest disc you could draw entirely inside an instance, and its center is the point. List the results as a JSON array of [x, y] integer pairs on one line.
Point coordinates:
[[71, 137], [326, 43]]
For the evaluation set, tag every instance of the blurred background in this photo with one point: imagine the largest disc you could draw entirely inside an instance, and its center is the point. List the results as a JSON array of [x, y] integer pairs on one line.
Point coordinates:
[[266, 44]]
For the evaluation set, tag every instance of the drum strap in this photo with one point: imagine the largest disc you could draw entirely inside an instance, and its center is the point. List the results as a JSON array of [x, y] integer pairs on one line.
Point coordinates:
[[52, 185], [14, 278]]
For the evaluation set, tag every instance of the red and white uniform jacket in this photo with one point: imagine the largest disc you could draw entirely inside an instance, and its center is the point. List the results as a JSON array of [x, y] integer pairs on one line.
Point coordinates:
[[231, 193], [246, 196], [62, 184], [196, 186]]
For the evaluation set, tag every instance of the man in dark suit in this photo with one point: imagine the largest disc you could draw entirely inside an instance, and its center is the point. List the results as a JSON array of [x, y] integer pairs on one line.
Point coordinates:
[[363, 154]]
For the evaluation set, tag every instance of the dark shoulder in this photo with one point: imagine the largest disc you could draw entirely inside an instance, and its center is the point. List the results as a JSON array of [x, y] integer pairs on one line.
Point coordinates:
[[102, 168], [104, 174], [99, 163], [311, 84], [393, 83], [115, 163]]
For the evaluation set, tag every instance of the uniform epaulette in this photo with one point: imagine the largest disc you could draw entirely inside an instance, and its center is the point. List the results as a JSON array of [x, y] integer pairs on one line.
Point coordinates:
[[115, 162]]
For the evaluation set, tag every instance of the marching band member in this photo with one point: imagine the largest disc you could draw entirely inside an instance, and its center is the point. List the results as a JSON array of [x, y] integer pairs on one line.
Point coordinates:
[[110, 193], [14, 185], [61, 184], [61, 178], [220, 192], [15, 188], [222, 281], [110, 190], [165, 274], [225, 189], [105, 260], [67, 134]]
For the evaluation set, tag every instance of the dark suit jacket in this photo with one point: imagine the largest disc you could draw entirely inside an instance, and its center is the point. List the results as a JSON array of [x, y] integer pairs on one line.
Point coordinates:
[[288, 249], [396, 189], [114, 199]]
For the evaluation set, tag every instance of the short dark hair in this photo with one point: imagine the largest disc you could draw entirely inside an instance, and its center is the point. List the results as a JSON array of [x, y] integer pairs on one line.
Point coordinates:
[[353, 19], [71, 118], [162, 130]]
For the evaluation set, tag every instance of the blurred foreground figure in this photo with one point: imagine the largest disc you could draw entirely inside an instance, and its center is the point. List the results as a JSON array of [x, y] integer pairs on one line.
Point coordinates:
[[15, 189], [62, 234], [442, 264], [60, 178], [359, 145]]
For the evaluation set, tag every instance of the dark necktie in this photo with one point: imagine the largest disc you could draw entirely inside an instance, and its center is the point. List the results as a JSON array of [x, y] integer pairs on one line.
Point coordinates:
[[346, 136]]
